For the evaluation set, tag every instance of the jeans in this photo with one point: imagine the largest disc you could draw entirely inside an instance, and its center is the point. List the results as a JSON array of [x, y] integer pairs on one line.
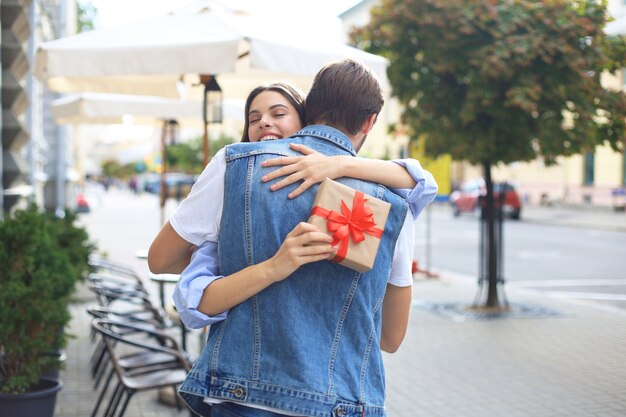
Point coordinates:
[[229, 409]]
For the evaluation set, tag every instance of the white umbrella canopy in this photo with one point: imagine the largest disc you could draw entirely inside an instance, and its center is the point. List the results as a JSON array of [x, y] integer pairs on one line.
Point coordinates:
[[151, 57], [102, 108]]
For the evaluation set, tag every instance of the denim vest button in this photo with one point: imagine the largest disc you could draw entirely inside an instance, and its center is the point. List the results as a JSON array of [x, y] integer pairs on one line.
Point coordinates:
[[341, 412], [238, 392]]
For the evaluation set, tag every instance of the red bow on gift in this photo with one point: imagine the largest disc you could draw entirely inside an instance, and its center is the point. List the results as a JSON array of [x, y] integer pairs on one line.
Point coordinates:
[[348, 223]]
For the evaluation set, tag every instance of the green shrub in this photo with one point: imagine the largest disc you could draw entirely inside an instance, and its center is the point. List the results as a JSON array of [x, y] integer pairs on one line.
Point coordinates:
[[41, 259]]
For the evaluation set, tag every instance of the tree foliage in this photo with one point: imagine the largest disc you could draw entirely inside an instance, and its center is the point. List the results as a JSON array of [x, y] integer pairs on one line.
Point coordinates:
[[187, 156], [501, 80], [115, 169], [86, 14]]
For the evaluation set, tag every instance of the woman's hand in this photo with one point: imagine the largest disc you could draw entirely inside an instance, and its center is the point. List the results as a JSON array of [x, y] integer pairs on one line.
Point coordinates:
[[303, 245], [311, 168]]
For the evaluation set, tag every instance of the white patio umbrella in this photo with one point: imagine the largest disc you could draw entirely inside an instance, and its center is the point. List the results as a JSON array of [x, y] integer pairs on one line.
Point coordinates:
[[156, 56], [102, 108]]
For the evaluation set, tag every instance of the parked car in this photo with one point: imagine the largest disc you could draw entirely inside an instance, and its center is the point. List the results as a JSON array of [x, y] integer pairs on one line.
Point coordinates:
[[470, 197], [178, 184], [82, 205]]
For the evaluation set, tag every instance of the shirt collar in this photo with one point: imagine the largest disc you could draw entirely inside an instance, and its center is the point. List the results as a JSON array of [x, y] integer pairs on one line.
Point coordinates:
[[330, 134]]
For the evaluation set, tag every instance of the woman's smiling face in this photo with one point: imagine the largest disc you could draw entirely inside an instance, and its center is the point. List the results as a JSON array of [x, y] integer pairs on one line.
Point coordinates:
[[272, 117]]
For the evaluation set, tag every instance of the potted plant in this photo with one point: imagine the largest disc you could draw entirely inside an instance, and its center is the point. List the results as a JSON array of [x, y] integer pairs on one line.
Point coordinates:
[[38, 274]]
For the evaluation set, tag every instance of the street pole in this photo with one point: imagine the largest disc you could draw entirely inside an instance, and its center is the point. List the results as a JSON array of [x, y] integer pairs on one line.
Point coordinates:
[[33, 109], [61, 133]]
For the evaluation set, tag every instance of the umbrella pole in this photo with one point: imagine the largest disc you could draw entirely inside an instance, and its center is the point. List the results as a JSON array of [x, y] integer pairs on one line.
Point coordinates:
[[163, 171], [210, 85], [205, 143]]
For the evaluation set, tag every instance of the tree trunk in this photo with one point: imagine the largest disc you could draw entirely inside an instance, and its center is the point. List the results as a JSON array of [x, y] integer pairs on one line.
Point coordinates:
[[488, 220]]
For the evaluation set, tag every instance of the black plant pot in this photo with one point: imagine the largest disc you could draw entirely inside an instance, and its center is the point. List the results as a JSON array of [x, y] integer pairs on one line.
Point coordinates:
[[40, 402]]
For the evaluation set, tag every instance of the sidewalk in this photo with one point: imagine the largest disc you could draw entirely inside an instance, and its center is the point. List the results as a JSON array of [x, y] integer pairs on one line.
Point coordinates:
[[572, 364], [589, 217], [572, 216]]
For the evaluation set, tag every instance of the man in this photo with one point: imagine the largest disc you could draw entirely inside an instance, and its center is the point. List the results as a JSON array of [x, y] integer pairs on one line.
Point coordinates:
[[309, 344]]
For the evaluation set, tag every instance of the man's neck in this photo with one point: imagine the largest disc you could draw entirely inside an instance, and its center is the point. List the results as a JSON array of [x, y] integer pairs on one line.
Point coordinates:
[[356, 140]]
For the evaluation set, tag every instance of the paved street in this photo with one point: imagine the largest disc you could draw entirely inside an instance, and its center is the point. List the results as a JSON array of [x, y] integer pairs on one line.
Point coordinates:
[[548, 250], [567, 363]]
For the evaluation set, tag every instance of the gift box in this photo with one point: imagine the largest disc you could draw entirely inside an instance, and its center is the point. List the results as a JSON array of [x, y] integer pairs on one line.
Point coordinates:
[[353, 219]]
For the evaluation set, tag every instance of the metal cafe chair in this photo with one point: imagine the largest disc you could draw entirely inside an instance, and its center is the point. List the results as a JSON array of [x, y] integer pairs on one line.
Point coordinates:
[[99, 364], [116, 281], [102, 264], [125, 305], [131, 380]]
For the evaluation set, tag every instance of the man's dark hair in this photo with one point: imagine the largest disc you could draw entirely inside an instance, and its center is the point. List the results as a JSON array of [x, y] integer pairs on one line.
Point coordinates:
[[344, 94]]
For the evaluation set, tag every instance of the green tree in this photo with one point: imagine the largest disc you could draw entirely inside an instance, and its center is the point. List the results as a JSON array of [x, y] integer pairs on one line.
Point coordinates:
[[115, 169], [187, 156], [497, 81], [85, 16]]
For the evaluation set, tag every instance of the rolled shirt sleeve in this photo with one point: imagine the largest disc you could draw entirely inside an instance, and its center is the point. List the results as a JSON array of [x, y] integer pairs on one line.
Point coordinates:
[[201, 272], [425, 189]]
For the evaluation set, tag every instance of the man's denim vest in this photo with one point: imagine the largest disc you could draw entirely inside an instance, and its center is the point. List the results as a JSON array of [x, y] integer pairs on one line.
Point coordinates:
[[310, 344]]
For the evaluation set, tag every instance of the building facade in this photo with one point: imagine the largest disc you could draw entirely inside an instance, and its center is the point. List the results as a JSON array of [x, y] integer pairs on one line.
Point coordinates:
[[34, 159]]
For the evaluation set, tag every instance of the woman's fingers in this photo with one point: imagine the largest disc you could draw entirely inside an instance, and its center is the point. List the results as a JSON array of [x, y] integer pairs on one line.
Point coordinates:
[[304, 244], [289, 164], [280, 172], [308, 239], [301, 188], [305, 150], [282, 160], [304, 227], [293, 178]]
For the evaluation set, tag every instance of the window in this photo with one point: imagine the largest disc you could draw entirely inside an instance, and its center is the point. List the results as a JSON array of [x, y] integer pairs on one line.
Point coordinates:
[[589, 158]]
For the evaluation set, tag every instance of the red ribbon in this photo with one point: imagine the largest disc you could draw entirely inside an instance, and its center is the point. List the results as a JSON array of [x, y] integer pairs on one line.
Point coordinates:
[[355, 223]]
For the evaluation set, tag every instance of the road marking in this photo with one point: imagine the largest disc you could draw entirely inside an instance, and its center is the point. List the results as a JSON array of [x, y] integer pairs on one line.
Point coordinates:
[[566, 283], [537, 256], [585, 295]]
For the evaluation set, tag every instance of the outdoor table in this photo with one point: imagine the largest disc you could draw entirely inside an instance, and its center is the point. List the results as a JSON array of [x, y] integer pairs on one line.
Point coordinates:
[[142, 254], [163, 279]]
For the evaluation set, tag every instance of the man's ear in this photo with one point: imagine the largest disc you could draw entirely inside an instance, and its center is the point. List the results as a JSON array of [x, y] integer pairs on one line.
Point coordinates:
[[367, 126]]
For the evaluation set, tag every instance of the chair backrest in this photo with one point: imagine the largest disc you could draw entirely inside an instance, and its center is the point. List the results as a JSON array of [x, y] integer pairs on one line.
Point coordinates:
[[104, 264], [140, 302], [116, 279], [140, 337]]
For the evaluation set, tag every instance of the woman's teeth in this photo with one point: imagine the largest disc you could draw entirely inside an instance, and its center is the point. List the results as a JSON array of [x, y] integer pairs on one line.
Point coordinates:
[[269, 137]]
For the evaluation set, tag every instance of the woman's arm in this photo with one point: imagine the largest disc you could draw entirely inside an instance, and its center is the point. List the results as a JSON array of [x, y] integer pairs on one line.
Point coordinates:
[[169, 253], [314, 167], [304, 244], [405, 177], [195, 221]]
